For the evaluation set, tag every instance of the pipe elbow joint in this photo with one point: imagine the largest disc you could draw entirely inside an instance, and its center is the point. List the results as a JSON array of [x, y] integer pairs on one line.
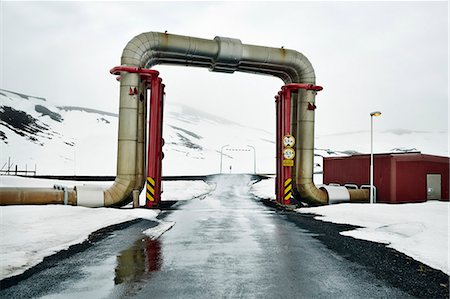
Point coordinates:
[[136, 50], [309, 194], [120, 192]]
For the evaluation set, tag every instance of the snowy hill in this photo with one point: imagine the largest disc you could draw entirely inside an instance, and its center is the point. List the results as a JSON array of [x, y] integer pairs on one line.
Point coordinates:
[[83, 141]]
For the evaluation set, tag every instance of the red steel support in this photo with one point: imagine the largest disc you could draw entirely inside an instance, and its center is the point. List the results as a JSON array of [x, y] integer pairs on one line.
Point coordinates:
[[154, 145], [285, 163], [282, 185], [286, 178], [130, 69]]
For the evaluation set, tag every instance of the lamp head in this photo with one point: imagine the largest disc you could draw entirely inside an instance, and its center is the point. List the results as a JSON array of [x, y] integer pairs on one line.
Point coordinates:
[[376, 113]]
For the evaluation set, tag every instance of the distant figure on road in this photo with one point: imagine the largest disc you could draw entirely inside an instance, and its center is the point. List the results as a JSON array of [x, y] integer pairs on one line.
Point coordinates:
[[230, 168]]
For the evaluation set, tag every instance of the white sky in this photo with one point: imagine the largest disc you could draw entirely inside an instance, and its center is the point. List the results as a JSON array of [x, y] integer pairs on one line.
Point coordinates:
[[387, 56]]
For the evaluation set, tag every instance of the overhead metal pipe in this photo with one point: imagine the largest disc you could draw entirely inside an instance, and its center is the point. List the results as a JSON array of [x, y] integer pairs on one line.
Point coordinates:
[[229, 55], [219, 55]]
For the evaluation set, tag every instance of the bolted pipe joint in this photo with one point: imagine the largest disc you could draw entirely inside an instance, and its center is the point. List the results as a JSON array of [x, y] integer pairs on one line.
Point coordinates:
[[65, 189], [229, 55]]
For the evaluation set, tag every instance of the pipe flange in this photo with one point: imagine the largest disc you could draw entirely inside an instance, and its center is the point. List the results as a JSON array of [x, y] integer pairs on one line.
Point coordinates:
[[228, 56]]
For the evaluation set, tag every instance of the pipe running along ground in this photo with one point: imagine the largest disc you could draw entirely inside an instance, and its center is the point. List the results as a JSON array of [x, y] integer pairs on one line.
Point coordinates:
[[221, 54]]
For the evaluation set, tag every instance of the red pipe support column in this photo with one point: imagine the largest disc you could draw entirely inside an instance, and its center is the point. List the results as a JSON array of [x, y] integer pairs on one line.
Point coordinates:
[[153, 196], [286, 177], [159, 140], [283, 184]]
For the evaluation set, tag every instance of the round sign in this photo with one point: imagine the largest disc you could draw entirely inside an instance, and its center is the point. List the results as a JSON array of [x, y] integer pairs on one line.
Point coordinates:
[[288, 153], [288, 141]]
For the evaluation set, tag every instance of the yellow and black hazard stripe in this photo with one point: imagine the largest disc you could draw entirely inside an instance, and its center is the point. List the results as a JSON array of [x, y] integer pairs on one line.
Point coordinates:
[[150, 189], [287, 189]]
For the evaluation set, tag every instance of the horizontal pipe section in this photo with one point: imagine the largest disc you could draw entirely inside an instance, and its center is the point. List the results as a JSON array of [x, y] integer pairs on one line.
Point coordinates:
[[359, 195], [35, 196]]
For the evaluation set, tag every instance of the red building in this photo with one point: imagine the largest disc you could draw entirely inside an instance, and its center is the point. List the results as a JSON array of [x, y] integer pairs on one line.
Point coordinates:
[[398, 178]]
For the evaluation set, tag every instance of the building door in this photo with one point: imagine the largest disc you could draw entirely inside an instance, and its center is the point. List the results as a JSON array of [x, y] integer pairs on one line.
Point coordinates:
[[433, 186]]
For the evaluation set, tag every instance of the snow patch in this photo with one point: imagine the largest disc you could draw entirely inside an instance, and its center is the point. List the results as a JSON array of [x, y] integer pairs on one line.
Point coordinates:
[[155, 232], [264, 189], [419, 230]]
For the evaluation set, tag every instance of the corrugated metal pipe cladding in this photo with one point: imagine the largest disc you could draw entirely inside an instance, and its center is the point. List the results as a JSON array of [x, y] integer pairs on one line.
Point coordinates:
[[359, 195], [34, 196], [219, 55]]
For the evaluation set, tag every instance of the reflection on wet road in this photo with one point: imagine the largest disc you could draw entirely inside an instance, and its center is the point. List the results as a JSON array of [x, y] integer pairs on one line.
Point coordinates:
[[140, 259]]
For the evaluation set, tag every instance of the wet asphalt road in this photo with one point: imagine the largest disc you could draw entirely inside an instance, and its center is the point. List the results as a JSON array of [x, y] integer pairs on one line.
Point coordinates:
[[229, 245], [226, 245]]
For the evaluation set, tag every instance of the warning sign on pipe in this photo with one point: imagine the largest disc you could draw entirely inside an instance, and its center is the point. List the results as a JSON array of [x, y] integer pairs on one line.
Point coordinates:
[[288, 141], [288, 163], [288, 153]]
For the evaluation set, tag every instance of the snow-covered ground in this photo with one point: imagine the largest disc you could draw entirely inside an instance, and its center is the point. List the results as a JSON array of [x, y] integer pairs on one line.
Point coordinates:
[[420, 230], [30, 233]]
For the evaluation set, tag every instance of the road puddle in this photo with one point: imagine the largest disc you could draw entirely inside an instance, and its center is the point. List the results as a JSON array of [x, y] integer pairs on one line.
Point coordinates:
[[138, 261]]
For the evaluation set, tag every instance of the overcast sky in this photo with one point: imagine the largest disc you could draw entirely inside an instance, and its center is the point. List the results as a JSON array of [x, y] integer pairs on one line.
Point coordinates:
[[387, 56]]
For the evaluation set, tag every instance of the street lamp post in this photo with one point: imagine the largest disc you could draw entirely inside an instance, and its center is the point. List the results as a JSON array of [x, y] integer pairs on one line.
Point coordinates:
[[376, 113], [254, 158], [221, 154]]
